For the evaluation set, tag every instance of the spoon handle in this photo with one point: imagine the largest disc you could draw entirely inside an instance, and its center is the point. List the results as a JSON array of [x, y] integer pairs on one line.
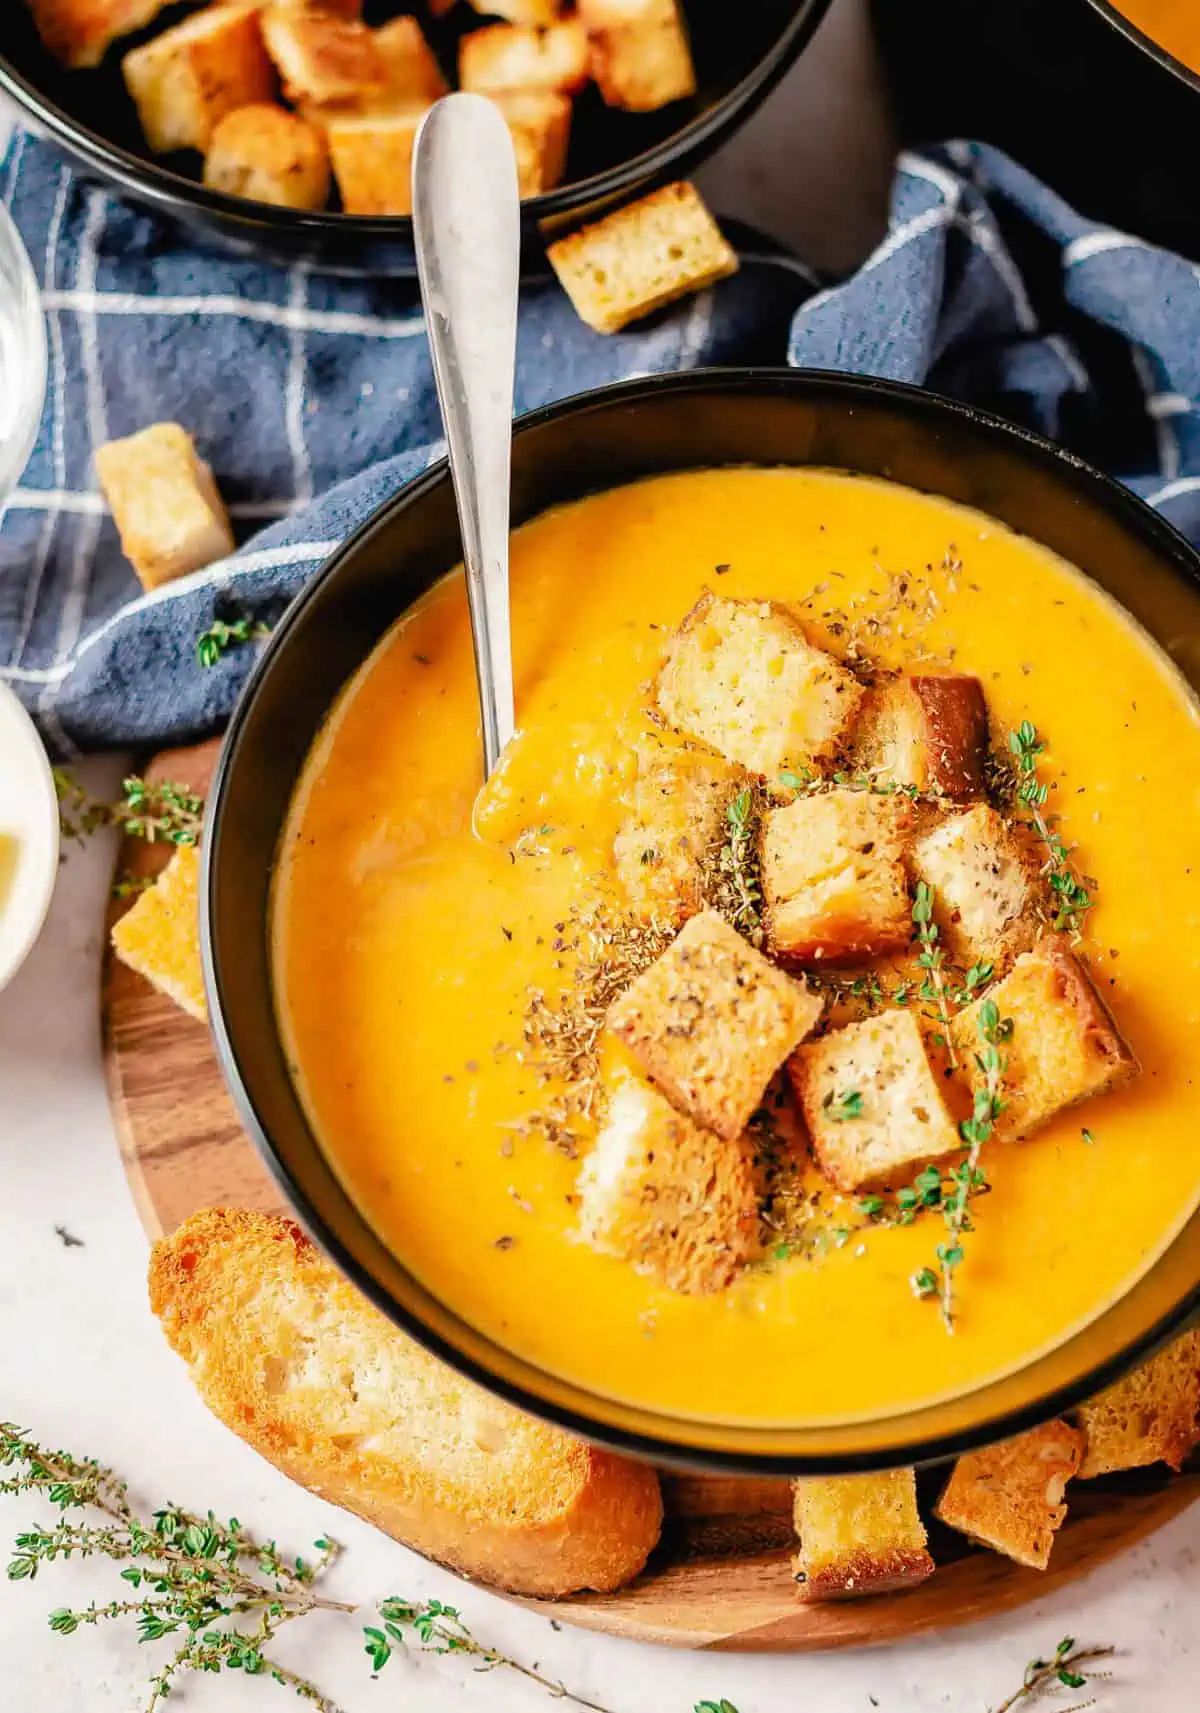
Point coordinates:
[[467, 228]]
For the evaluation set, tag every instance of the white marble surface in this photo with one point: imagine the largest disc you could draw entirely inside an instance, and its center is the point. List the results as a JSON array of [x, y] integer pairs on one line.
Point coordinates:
[[85, 1366]]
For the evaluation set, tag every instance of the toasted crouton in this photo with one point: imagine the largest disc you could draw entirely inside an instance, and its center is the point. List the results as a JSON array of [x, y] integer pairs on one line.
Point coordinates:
[[986, 886], [164, 502], [676, 820], [1151, 1416], [411, 67], [926, 731], [508, 56], [159, 936], [1064, 1046], [711, 1021], [743, 677], [1010, 1496], [185, 81], [834, 879], [372, 159], [533, 13], [872, 1102], [267, 154], [80, 32], [644, 256], [293, 1359], [539, 123], [672, 1199], [859, 1534], [640, 55], [322, 57]]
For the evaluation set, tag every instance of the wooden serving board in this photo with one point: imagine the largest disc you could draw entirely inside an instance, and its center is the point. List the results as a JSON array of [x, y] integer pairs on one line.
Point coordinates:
[[721, 1576]]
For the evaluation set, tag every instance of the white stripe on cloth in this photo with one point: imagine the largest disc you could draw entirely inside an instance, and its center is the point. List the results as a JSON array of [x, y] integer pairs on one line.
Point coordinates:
[[1080, 379], [302, 484], [244, 309], [1097, 243], [1174, 490], [1170, 460]]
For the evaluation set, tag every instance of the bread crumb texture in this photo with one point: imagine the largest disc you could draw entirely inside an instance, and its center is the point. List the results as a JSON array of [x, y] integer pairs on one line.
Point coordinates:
[[159, 936], [834, 878], [859, 1534], [1011, 1496], [1151, 1416]]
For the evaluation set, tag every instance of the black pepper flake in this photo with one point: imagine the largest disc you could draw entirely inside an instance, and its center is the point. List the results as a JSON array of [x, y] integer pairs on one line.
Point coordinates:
[[422, 660], [507, 932], [720, 570], [504, 1243]]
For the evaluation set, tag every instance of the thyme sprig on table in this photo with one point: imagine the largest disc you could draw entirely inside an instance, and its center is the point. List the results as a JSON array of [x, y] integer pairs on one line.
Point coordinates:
[[1061, 1670], [161, 813], [1072, 900], [221, 635], [932, 960]]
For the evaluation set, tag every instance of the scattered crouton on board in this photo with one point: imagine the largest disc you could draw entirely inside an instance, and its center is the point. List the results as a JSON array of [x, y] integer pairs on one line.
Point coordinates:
[[657, 249], [743, 677], [1011, 1496], [80, 32], [872, 1102], [267, 154], [164, 502], [159, 936], [641, 58], [928, 731], [675, 820], [1064, 1046], [711, 1021], [986, 886], [185, 81], [320, 56], [508, 56], [672, 1199], [1151, 1416], [834, 878], [859, 1535]]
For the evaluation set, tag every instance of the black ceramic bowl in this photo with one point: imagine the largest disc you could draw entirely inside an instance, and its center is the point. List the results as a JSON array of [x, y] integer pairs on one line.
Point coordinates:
[[614, 156], [767, 417]]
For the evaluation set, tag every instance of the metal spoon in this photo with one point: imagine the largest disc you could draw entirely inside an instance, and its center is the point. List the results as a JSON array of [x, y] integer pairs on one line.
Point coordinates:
[[467, 228]]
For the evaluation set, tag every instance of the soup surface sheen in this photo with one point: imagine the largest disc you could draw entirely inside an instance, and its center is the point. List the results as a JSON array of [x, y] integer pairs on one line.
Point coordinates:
[[1173, 24], [406, 941]]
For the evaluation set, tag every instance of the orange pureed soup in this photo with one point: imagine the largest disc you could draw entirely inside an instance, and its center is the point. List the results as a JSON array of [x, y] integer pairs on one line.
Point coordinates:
[[412, 920], [1173, 24]]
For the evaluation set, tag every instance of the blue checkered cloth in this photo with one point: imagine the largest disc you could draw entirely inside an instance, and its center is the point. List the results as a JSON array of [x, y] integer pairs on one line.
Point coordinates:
[[311, 396]]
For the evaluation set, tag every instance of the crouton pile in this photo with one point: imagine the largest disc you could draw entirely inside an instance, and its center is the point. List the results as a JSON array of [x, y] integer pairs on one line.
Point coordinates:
[[804, 829]]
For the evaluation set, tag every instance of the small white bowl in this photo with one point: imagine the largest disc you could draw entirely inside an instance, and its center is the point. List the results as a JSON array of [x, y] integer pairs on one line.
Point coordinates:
[[29, 835]]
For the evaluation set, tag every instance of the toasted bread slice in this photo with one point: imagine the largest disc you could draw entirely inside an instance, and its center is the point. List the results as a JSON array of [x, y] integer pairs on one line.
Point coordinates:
[[164, 502], [927, 731], [80, 32], [834, 878], [372, 159], [320, 56], [675, 823], [1010, 1496], [186, 80], [267, 154], [859, 1534], [535, 14], [641, 57], [159, 936], [640, 258], [672, 1199], [1064, 1045], [509, 56], [873, 1102], [294, 1360], [711, 1021], [986, 884], [743, 677], [539, 123], [413, 73], [1151, 1416]]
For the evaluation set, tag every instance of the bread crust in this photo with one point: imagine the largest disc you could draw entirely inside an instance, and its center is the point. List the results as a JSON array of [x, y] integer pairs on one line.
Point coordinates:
[[859, 1535], [1151, 1416], [1010, 1496], [295, 1361], [512, 57], [927, 730], [988, 891]]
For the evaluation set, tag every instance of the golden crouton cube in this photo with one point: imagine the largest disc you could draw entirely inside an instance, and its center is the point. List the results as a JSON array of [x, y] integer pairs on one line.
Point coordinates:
[[508, 56], [1063, 1046], [928, 731], [372, 160], [411, 67], [675, 825], [532, 13], [987, 888], [834, 879], [872, 1102], [164, 502], [673, 1200], [641, 58], [711, 1021], [539, 123], [644, 256], [743, 677], [320, 56], [859, 1534], [267, 154], [185, 81], [1151, 1416], [160, 936], [1010, 1496], [80, 32]]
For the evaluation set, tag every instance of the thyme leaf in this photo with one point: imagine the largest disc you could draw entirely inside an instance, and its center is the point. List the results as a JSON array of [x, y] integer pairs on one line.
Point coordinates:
[[1072, 901]]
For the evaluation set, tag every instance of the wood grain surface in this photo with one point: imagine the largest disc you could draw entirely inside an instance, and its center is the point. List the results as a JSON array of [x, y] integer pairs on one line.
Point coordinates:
[[721, 1577]]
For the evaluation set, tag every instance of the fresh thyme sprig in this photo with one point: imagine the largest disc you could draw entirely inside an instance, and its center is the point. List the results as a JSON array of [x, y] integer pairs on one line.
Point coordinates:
[[163, 813], [222, 635], [932, 959], [1071, 898], [967, 1178], [1061, 1670], [737, 876]]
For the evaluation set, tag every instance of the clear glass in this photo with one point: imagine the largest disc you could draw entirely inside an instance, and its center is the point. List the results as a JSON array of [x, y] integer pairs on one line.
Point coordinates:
[[23, 362]]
